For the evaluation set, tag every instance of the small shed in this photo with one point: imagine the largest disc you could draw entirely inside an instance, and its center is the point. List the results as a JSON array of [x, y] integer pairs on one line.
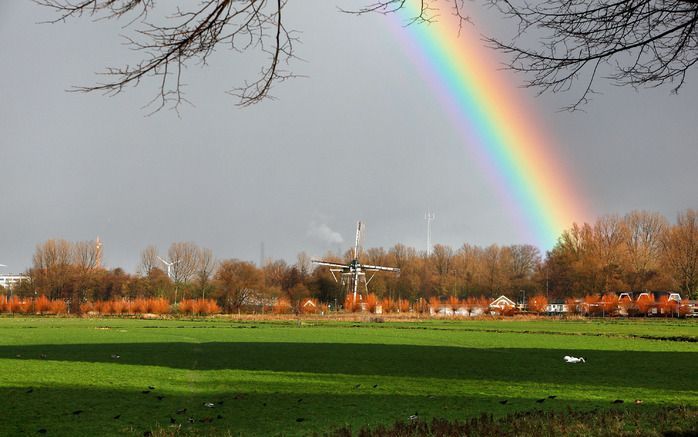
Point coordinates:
[[501, 303]]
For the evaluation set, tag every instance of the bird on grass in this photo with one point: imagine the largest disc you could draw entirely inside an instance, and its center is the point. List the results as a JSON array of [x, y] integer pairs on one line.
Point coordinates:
[[357, 386], [172, 420], [300, 419], [151, 387], [617, 401], [77, 412], [375, 385], [181, 411], [117, 416], [209, 405], [42, 356], [638, 401], [504, 402], [219, 417], [540, 401], [115, 356], [29, 390], [145, 392], [160, 397], [573, 360], [220, 402], [147, 434], [190, 420], [42, 431], [414, 417]]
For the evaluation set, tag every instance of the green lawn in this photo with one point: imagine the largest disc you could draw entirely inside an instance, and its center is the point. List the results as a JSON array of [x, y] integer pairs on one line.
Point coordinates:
[[271, 378]]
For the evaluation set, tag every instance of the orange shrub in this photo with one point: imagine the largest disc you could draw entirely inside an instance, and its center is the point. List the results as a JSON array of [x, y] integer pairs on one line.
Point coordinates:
[[609, 302], [185, 306], [421, 306], [350, 305], [4, 306], [157, 306], [644, 303], [42, 304], [57, 306], [454, 303], [282, 306], [138, 306], [371, 302], [403, 306], [18, 306], [538, 303], [119, 307], [667, 307], [435, 304], [86, 307], [388, 305], [309, 306]]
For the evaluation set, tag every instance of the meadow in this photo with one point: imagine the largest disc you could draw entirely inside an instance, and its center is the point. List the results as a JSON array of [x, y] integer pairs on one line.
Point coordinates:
[[112, 376]]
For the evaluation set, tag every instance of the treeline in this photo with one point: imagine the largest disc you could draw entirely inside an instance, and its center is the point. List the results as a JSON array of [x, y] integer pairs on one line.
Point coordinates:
[[636, 252]]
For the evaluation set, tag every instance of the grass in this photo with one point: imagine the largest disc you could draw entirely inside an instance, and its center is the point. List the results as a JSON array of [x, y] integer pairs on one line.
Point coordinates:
[[291, 378]]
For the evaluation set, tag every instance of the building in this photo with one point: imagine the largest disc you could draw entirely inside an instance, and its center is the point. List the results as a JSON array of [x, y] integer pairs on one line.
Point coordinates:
[[9, 281]]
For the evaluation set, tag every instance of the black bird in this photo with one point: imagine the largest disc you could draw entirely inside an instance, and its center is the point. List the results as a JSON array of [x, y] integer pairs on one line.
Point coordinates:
[[357, 386], [300, 419], [540, 401], [172, 420], [29, 390], [181, 411], [77, 412], [552, 396], [264, 404], [147, 434], [219, 416], [145, 392], [161, 398], [300, 400], [375, 385], [151, 387], [42, 431], [190, 420], [617, 401], [117, 416], [504, 402], [220, 402]]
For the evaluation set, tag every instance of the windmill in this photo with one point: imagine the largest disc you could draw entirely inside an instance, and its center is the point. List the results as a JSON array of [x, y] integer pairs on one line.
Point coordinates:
[[169, 266], [354, 271]]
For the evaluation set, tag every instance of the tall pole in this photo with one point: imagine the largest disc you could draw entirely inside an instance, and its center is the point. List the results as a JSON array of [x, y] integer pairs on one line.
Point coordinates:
[[429, 217]]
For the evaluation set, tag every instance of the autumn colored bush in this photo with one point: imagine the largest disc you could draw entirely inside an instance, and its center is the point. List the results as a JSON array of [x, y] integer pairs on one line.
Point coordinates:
[[15, 305], [538, 303], [421, 306], [282, 306], [388, 305], [4, 306], [138, 306], [644, 303], [118, 307], [185, 306], [57, 306], [667, 307], [42, 304], [609, 303], [87, 307], [371, 302], [434, 304], [158, 306], [454, 303], [351, 306], [403, 305]]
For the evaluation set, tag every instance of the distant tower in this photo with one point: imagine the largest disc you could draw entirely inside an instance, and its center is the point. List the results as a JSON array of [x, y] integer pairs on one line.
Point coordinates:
[[429, 217], [98, 253], [261, 255]]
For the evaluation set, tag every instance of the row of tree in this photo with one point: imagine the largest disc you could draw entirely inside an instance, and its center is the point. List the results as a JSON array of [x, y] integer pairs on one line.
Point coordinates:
[[639, 251]]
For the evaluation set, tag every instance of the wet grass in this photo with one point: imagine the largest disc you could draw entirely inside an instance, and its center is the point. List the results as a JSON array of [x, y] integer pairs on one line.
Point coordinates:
[[296, 378]]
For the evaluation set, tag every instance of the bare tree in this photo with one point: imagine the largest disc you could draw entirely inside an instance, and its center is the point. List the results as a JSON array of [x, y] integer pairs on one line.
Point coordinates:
[[173, 35], [643, 42], [149, 260], [643, 245], [681, 251], [85, 254], [204, 270], [184, 257]]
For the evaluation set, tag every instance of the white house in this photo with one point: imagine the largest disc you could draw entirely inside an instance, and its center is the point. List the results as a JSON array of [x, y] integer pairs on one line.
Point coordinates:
[[501, 303], [9, 281]]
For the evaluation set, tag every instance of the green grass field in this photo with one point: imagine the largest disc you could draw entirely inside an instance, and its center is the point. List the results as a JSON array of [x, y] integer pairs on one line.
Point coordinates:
[[291, 378]]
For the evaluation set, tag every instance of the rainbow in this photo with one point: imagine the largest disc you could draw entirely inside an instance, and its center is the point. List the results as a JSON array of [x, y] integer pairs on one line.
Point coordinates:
[[502, 134]]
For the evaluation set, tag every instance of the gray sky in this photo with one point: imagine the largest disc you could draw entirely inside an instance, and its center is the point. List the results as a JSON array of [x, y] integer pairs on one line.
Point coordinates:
[[362, 137]]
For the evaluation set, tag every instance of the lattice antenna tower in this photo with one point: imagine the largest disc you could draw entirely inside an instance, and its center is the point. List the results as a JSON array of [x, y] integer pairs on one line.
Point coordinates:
[[429, 216]]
